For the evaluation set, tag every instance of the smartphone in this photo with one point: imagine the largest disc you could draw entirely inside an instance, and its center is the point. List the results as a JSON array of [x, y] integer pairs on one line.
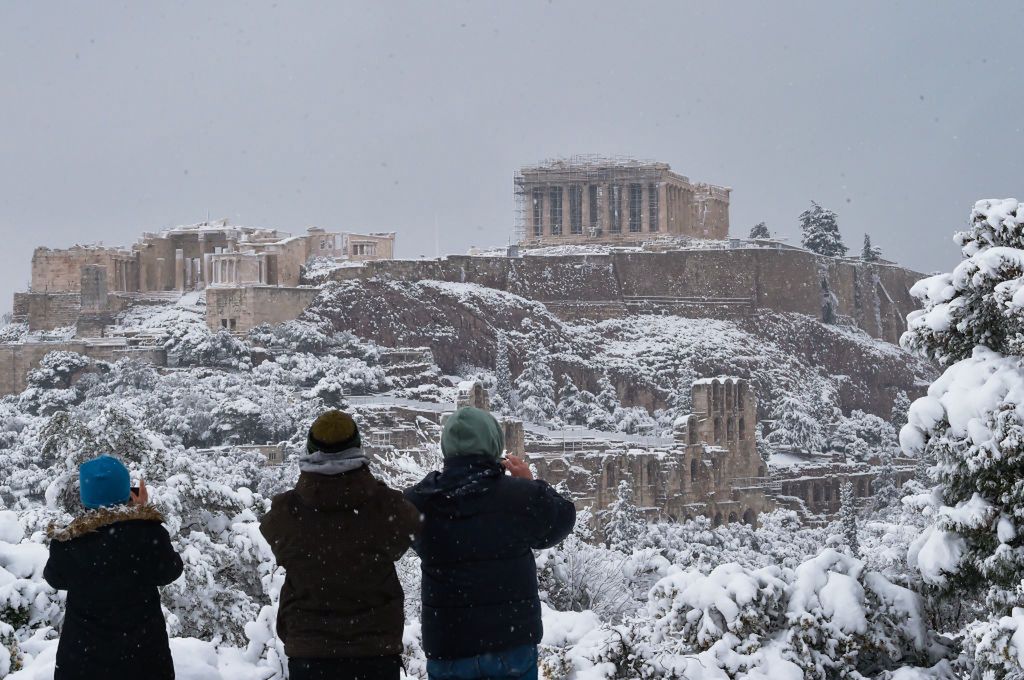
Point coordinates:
[[134, 491]]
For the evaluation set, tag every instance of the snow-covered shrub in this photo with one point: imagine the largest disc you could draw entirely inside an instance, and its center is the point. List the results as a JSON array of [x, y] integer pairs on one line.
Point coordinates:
[[49, 386], [189, 342], [699, 610], [863, 435], [795, 426], [841, 619]]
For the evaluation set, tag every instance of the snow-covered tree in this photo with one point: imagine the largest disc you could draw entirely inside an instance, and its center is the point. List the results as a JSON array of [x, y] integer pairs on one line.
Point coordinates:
[[622, 523], [573, 407], [886, 487], [607, 396], [848, 518], [603, 406], [900, 406], [795, 426], [760, 230], [869, 253], [536, 387], [971, 423], [503, 373], [820, 231]]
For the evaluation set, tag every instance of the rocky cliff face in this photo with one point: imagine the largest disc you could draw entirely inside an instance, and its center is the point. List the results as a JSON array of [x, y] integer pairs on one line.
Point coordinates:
[[647, 357]]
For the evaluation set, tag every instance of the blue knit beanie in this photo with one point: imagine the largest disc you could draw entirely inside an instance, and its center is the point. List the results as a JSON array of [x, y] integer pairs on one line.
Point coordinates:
[[104, 481]]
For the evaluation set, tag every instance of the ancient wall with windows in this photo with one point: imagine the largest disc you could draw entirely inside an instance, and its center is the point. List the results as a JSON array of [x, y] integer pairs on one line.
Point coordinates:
[[707, 471]]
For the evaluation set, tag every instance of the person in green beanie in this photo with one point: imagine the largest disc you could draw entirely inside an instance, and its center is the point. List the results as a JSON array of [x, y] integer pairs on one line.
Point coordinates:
[[483, 516], [338, 534]]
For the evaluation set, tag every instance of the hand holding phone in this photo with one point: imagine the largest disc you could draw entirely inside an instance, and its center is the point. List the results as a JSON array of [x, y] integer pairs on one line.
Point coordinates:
[[517, 467], [139, 494]]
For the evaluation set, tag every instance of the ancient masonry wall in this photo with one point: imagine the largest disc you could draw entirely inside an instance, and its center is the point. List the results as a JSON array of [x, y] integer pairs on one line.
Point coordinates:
[[689, 282], [713, 468], [17, 359], [242, 309]]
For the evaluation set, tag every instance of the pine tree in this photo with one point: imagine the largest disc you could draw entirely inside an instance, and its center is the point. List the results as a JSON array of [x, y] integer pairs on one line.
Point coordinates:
[[869, 253], [607, 397], [821, 231], [622, 523], [760, 230], [573, 408], [972, 323], [900, 406], [886, 486], [503, 373], [848, 517], [536, 387]]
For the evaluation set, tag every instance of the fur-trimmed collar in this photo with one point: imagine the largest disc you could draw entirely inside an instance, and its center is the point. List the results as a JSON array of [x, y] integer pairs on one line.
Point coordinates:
[[101, 517]]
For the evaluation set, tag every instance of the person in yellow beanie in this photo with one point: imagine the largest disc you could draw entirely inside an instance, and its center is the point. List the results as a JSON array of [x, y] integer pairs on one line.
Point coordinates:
[[338, 534]]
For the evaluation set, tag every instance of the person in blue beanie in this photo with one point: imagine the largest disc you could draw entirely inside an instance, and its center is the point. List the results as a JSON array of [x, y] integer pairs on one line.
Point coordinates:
[[112, 560]]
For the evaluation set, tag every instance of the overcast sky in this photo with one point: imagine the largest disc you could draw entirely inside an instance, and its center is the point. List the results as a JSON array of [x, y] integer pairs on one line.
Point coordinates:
[[129, 117]]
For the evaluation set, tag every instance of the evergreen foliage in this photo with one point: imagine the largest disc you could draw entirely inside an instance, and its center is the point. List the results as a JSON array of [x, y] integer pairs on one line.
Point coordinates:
[[868, 252], [820, 231], [848, 518], [622, 523], [760, 231], [536, 387]]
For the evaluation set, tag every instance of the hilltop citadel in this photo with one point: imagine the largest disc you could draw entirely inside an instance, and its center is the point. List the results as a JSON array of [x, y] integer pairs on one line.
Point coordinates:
[[597, 239]]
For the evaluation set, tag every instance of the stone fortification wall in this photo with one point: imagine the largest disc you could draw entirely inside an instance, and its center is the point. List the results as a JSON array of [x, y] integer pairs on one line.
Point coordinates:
[[242, 309], [47, 311], [17, 359], [61, 270], [686, 282]]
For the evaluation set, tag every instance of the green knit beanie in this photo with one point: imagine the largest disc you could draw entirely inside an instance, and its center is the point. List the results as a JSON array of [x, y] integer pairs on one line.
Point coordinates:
[[471, 431], [332, 432]]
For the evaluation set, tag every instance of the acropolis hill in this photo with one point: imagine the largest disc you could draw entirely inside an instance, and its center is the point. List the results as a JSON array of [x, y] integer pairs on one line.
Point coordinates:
[[599, 239], [626, 243]]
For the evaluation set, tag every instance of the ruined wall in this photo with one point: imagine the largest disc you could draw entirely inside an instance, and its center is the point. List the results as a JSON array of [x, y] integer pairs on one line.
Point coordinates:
[[47, 311], [60, 270], [242, 309], [713, 469]]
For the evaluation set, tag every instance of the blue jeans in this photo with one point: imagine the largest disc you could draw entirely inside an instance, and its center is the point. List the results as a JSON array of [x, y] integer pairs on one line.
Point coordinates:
[[519, 663]]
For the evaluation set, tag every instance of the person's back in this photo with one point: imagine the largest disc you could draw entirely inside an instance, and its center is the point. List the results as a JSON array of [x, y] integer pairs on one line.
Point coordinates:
[[111, 561], [481, 609], [338, 534]]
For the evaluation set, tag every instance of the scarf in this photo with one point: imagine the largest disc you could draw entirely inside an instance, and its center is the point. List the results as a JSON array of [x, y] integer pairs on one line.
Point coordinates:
[[322, 463]]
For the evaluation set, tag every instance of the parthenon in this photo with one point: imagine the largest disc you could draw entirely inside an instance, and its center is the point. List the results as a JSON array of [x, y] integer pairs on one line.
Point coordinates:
[[587, 199]]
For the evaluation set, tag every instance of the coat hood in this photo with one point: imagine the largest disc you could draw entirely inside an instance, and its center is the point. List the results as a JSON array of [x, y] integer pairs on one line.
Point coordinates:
[[463, 480], [336, 492], [101, 517]]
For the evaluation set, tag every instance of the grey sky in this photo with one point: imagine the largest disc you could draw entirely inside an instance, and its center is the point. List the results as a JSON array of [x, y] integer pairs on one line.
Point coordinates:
[[120, 118]]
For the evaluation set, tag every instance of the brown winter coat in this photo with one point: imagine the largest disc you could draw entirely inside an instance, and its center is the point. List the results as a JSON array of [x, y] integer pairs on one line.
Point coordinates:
[[338, 537]]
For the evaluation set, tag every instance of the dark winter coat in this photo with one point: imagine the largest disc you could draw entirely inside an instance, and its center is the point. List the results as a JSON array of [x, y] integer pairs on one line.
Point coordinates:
[[479, 575], [111, 562], [338, 537]]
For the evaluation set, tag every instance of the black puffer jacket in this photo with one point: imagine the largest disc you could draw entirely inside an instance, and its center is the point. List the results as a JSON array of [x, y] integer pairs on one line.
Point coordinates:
[[479, 575], [111, 562]]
